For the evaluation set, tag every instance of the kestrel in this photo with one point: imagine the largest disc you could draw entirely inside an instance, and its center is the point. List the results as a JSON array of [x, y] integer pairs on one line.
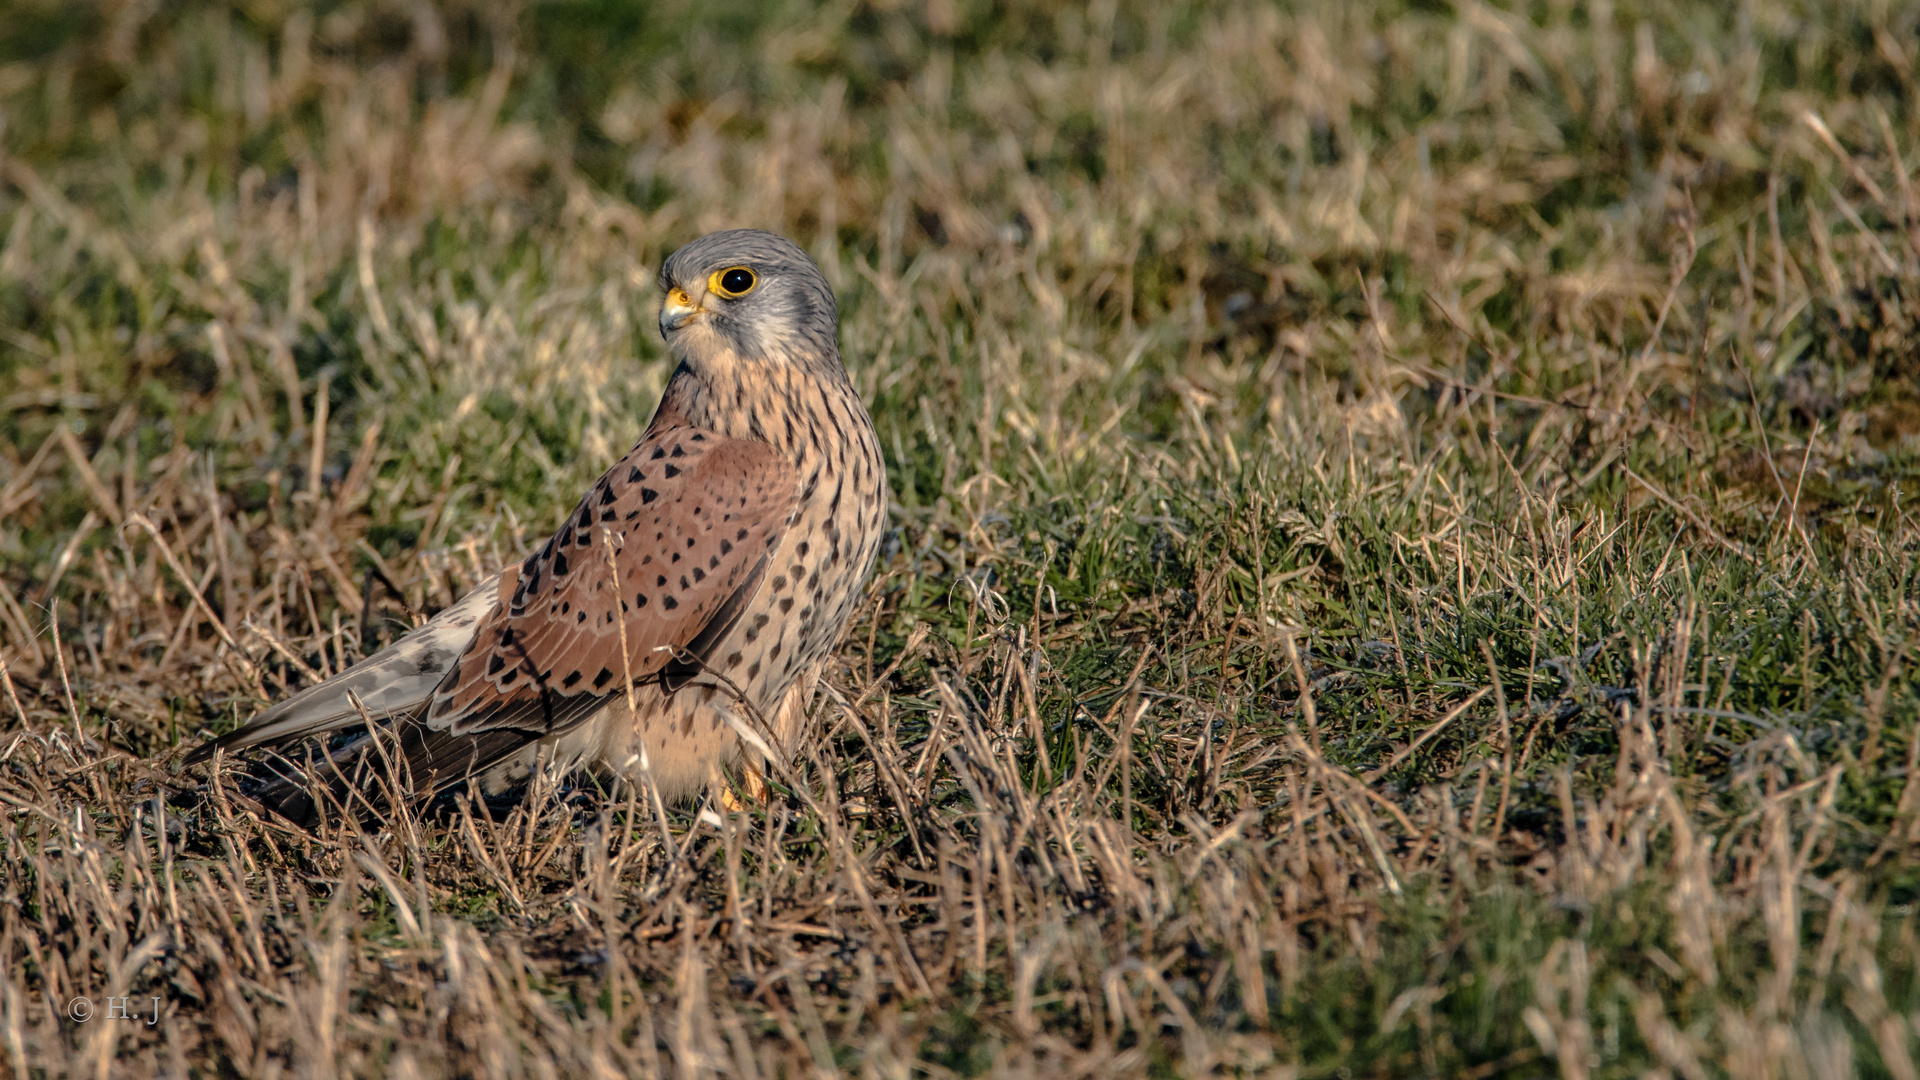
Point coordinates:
[[715, 566]]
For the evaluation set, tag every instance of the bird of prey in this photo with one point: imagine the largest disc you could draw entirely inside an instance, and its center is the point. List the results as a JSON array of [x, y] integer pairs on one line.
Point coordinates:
[[712, 569]]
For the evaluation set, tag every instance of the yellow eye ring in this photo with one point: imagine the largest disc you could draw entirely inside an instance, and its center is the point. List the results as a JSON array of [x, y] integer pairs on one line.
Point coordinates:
[[732, 282]]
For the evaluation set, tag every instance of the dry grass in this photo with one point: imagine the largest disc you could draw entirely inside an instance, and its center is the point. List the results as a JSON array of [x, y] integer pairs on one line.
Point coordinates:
[[1402, 567]]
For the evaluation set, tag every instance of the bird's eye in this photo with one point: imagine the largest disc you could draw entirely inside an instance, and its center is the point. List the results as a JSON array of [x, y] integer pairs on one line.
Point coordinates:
[[733, 281]]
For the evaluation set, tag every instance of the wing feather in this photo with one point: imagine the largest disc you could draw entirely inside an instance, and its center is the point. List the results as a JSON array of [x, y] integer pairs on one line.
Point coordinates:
[[693, 517]]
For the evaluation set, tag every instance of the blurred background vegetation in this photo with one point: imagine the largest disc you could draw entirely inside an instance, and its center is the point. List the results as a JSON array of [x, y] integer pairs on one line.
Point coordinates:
[[1187, 207], [1542, 371]]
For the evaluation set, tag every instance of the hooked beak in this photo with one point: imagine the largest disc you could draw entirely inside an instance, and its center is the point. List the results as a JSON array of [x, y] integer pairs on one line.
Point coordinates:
[[677, 311]]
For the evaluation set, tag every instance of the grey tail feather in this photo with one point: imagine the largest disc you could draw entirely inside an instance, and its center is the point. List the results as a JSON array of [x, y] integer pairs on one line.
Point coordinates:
[[206, 750], [393, 682]]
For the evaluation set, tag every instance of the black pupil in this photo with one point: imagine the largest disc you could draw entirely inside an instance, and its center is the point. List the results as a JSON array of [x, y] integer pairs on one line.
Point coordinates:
[[737, 280]]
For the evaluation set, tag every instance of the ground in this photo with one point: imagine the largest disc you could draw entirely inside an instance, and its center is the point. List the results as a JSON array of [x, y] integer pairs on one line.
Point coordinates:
[[1402, 557]]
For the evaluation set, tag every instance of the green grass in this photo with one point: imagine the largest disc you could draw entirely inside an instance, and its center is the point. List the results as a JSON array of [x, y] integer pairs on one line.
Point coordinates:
[[1539, 384]]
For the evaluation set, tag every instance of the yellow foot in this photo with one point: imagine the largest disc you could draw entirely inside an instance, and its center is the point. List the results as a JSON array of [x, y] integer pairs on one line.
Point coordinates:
[[755, 791]]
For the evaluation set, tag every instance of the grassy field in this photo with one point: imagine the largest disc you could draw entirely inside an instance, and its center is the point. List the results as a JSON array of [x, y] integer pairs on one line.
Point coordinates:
[[1403, 557]]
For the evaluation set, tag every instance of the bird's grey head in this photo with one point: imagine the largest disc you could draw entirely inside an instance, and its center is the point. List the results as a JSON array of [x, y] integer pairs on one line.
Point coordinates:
[[752, 294]]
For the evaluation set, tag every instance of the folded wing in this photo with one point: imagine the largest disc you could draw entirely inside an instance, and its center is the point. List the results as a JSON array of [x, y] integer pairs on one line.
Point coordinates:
[[669, 544], [691, 518]]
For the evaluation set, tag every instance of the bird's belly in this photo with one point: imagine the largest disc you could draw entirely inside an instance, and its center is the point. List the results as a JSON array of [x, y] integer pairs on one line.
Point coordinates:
[[759, 681], [682, 740]]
